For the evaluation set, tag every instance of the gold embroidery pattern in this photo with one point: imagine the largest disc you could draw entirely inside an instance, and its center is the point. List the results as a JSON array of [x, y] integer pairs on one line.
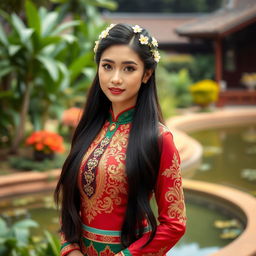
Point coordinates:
[[175, 195], [107, 252], [174, 171], [90, 167], [110, 178], [159, 253], [110, 239], [69, 248]]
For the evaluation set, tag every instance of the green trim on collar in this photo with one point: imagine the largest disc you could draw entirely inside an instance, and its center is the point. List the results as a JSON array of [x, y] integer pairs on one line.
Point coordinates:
[[124, 117], [126, 252]]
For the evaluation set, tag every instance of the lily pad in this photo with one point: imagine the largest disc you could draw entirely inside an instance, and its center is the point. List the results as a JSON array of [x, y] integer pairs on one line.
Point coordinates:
[[211, 151], [205, 167], [249, 174]]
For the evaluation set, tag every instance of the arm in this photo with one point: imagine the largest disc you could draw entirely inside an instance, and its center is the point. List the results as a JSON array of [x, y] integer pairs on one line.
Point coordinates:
[[171, 207]]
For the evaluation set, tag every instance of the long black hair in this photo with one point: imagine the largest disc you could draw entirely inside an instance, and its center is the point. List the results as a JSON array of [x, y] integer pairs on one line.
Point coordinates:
[[143, 151]]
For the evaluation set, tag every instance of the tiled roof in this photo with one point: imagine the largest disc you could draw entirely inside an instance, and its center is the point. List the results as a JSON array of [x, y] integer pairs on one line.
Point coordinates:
[[162, 27], [235, 13]]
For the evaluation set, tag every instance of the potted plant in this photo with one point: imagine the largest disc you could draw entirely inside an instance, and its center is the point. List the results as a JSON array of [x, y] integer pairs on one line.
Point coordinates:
[[45, 144], [249, 80]]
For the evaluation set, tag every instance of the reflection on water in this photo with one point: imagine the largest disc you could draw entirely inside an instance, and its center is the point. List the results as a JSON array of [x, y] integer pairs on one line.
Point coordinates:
[[229, 157], [192, 249], [202, 236]]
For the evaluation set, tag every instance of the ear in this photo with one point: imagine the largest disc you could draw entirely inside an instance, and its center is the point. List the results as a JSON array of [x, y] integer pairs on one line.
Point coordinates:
[[147, 75]]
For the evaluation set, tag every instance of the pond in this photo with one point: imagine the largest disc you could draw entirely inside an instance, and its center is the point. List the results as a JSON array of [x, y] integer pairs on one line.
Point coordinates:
[[229, 157]]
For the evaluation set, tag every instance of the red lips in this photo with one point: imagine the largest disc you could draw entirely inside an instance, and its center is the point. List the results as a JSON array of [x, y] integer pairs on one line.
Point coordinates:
[[116, 91]]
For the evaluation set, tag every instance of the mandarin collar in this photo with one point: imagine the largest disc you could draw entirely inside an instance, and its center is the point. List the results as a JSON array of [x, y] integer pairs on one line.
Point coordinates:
[[123, 117]]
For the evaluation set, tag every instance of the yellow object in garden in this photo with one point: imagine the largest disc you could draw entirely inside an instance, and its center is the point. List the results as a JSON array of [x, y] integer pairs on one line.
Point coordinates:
[[249, 80], [204, 92]]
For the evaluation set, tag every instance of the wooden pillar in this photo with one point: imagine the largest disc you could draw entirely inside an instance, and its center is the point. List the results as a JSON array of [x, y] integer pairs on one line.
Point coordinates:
[[218, 59]]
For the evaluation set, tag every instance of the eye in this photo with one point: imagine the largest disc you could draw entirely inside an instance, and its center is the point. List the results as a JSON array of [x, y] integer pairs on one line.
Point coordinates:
[[107, 66], [129, 69]]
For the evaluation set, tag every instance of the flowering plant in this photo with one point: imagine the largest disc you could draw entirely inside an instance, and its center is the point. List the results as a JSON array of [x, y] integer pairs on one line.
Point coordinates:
[[71, 116], [204, 92], [249, 79], [45, 141]]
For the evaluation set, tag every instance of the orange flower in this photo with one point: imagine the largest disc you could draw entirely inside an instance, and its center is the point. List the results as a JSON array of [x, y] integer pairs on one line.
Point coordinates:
[[45, 141], [72, 116], [39, 146]]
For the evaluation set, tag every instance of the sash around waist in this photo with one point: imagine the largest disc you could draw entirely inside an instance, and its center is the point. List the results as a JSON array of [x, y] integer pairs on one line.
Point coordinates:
[[104, 236]]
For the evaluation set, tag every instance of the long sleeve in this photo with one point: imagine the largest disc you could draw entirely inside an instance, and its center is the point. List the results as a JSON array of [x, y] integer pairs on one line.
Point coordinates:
[[171, 208], [67, 247]]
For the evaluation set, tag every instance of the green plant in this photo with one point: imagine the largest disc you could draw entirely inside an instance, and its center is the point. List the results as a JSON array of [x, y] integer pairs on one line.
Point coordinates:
[[16, 240], [173, 87], [29, 55], [199, 66], [50, 246], [46, 63], [180, 82], [165, 91], [28, 164]]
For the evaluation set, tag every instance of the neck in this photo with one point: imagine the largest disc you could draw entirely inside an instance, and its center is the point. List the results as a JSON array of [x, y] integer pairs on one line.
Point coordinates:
[[118, 108]]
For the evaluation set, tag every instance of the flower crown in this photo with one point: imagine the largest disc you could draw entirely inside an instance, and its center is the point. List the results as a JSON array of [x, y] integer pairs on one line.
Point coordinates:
[[144, 40]]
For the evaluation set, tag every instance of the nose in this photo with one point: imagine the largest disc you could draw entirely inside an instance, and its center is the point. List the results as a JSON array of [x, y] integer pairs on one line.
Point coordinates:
[[116, 78]]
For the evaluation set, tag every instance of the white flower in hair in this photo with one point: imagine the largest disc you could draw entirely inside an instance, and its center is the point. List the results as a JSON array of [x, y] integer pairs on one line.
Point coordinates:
[[156, 55], [103, 34], [137, 29], [110, 26], [154, 42], [96, 46], [143, 39]]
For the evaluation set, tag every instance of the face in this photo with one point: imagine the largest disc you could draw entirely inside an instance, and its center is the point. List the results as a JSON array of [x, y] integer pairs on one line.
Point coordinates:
[[121, 73]]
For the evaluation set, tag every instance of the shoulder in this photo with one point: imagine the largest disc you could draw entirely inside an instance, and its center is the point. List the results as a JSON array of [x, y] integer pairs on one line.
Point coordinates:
[[166, 139], [164, 131]]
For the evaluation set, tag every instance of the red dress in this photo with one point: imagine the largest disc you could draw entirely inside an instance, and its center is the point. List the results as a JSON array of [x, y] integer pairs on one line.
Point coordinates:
[[103, 188]]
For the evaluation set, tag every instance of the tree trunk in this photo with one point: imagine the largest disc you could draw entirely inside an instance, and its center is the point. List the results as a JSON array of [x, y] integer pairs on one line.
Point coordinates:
[[19, 134]]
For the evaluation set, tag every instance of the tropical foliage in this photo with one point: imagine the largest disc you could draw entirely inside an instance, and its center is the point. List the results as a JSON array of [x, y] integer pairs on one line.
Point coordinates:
[[199, 66], [46, 62], [16, 240]]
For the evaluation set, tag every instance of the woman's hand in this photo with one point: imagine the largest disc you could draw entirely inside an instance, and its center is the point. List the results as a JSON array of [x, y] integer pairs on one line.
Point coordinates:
[[75, 253]]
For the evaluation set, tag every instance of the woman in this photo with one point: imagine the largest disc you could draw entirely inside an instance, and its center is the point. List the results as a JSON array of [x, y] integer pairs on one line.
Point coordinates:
[[120, 155]]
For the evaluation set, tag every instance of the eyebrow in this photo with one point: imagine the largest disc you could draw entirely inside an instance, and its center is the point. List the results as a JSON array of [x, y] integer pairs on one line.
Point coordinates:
[[124, 62]]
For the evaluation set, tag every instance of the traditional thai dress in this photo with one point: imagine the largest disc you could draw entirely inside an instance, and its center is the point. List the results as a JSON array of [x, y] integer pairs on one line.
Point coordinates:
[[103, 188]]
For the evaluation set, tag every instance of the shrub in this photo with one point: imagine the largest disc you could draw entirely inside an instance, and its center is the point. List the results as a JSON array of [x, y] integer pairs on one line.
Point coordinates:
[[204, 92], [17, 240]]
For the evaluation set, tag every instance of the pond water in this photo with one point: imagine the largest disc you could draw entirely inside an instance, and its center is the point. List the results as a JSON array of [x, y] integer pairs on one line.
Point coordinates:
[[229, 159]]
